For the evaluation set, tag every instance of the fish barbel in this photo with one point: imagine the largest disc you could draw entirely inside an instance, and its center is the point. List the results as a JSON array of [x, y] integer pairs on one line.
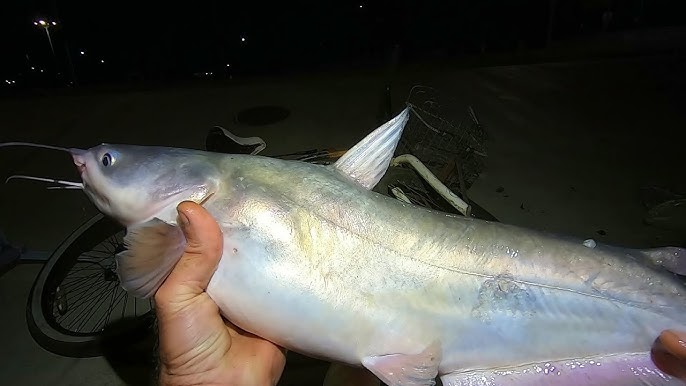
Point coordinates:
[[317, 262]]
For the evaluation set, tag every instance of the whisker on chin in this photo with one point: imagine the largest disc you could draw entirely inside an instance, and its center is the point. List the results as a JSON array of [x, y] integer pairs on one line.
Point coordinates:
[[29, 144], [69, 187], [73, 185]]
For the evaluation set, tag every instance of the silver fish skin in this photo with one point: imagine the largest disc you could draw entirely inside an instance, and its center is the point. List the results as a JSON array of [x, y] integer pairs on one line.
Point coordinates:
[[335, 271], [317, 262]]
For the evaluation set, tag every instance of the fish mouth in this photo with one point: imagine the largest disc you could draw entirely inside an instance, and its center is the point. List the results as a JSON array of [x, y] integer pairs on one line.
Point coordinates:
[[79, 161], [79, 157]]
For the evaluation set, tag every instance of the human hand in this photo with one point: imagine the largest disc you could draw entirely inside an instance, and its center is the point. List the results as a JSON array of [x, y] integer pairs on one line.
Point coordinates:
[[196, 345], [669, 353]]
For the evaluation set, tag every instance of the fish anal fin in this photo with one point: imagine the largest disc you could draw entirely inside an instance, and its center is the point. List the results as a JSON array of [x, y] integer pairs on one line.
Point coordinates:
[[406, 369], [153, 249]]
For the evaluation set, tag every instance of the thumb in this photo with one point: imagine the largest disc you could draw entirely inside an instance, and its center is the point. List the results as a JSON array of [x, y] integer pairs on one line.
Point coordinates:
[[204, 243], [669, 353], [675, 343]]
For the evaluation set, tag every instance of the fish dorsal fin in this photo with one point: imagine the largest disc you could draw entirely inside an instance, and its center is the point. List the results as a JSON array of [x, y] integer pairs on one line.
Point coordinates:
[[368, 160], [153, 249]]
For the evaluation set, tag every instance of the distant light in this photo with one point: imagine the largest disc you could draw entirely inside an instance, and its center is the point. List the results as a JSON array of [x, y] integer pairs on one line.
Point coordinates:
[[228, 65], [102, 60], [82, 52], [360, 6], [243, 39], [42, 22], [53, 23], [33, 68], [41, 70]]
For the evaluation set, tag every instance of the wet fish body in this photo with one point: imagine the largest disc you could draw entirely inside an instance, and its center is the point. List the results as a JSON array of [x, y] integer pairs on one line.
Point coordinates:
[[350, 274], [317, 262]]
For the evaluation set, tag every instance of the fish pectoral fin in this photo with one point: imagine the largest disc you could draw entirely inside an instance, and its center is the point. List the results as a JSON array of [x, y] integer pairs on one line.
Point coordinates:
[[368, 160], [406, 369], [153, 249]]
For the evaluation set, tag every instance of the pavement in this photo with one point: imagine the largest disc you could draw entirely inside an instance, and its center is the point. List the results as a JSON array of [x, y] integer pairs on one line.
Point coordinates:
[[572, 145]]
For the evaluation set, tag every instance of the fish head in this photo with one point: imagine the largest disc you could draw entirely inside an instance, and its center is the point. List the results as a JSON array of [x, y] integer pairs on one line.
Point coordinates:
[[134, 183]]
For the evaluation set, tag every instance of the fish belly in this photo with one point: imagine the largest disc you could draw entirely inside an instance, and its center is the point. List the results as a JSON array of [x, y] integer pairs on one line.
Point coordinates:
[[631, 369]]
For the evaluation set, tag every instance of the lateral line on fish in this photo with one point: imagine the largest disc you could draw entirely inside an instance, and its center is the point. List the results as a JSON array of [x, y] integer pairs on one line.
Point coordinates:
[[643, 305]]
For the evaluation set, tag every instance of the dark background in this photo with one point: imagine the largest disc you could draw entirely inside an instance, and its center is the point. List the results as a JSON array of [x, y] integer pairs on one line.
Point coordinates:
[[156, 41]]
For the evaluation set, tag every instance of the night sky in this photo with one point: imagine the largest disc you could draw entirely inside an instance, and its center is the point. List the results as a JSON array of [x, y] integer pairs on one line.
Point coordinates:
[[153, 40]]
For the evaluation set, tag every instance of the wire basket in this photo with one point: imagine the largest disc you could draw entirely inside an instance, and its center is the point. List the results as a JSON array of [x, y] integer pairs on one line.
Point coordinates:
[[454, 150]]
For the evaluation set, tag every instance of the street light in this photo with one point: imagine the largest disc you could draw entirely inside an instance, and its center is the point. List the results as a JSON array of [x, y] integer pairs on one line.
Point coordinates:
[[46, 25]]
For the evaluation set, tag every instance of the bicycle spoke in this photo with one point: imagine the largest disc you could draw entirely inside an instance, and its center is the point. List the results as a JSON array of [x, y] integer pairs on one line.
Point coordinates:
[[123, 309], [109, 307], [94, 295], [113, 305], [82, 289], [101, 257], [72, 313], [105, 314], [79, 281], [99, 254], [95, 300], [85, 267], [91, 291], [94, 312]]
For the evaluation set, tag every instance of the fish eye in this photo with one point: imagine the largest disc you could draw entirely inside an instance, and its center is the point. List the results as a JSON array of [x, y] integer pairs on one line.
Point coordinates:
[[107, 159]]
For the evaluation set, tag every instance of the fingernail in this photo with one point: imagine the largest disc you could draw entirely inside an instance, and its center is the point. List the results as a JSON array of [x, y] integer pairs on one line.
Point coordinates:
[[183, 220]]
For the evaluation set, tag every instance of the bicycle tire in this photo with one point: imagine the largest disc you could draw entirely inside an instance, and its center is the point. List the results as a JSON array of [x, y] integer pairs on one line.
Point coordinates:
[[44, 332]]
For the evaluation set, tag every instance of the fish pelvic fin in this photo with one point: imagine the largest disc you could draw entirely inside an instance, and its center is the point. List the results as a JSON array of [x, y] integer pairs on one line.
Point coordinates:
[[153, 249], [406, 369], [368, 160]]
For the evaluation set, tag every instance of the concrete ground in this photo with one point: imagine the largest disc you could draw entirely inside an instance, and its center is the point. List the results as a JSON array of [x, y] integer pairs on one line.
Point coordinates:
[[573, 143]]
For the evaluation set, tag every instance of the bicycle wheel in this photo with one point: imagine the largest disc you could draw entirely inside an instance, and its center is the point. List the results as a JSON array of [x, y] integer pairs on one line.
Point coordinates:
[[77, 295]]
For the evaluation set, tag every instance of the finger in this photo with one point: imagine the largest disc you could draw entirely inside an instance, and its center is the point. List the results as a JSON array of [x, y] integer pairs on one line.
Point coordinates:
[[203, 250], [675, 343], [667, 357]]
